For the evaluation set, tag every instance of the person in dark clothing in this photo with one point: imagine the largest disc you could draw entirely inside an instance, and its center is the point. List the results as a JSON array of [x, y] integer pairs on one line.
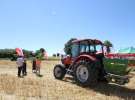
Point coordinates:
[[24, 68], [34, 66], [20, 62], [19, 71]]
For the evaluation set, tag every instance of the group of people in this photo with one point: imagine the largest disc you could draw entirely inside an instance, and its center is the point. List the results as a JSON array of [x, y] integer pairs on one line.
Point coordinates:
[[36, 64]]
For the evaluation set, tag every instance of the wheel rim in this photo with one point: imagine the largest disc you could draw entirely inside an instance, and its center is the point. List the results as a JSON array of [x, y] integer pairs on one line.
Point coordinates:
[[82, 73], [57, 71]]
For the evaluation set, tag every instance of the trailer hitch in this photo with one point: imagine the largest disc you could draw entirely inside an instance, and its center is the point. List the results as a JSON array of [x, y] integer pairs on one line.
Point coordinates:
[[121, 80]]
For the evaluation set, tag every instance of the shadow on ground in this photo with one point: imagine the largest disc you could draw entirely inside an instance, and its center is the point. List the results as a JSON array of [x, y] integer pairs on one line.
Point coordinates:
[[110, 90], [114, 90]]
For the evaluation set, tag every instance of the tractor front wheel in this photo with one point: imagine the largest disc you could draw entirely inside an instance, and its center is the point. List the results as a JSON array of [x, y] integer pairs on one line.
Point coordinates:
[[59, 72]]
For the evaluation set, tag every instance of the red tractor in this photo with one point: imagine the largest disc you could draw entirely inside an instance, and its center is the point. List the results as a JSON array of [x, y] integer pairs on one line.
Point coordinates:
[[85, 63]]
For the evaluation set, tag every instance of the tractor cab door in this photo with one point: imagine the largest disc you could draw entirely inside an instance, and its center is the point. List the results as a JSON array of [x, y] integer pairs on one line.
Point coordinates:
[[99, 51], [82, 48], [75, 50]]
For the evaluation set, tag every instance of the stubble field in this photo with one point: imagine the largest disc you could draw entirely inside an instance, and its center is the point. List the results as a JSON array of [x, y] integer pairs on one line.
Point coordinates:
[[32, 87]]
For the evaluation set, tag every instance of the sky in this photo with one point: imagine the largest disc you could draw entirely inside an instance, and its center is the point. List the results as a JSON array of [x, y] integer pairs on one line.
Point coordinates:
[[32, 24]]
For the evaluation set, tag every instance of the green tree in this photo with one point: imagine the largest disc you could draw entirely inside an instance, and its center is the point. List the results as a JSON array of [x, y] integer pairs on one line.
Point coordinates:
[[108, 45], [6, 53], [11, 54], [40, 54], [67, 48], [54, 55], [27, 53]]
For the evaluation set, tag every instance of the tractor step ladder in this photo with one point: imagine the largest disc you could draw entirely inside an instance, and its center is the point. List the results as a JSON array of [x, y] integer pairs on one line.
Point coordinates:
[[69, 70]]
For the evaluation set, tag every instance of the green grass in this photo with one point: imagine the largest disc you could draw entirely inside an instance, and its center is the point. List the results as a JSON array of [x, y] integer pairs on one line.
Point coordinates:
[[53, 58]]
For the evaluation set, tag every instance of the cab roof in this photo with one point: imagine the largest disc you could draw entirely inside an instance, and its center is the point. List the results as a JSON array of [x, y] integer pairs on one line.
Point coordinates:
[[90, 41]]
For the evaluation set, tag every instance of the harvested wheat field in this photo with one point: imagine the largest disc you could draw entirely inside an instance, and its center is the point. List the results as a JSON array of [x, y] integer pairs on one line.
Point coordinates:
[[32, 87]]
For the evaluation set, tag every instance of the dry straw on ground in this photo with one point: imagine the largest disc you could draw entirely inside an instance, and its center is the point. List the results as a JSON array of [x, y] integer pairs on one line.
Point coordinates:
[[32, 87]]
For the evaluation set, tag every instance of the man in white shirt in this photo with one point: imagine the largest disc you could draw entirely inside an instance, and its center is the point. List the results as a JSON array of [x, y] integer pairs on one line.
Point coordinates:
[[20, 61]]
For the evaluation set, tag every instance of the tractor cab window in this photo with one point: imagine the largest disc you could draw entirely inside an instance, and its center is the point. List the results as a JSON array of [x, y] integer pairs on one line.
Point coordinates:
[[98, 48], [87, 48], [75, 50], [92, 48], [84, 48]]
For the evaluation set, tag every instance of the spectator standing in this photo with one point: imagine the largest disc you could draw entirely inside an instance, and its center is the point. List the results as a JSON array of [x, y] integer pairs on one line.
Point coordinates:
[[34, 65], [25, 67], [38, 65], [20, 61]]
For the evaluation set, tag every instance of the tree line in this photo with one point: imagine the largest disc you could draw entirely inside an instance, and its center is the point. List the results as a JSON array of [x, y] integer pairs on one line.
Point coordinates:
[[11, 53]]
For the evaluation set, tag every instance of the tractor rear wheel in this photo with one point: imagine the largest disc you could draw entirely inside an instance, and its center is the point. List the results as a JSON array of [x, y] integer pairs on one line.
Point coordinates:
[[59, 72], [86, 73]]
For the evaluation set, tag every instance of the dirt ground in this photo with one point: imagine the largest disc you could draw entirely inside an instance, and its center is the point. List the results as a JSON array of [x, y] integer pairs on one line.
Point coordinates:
[[46, 87]]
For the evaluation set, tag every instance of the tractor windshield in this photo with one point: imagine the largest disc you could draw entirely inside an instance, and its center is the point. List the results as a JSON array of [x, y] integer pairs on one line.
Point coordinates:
[[85, 48]]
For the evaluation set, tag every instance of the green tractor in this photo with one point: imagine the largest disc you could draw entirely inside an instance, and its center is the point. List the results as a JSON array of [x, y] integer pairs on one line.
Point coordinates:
[[86, 64]]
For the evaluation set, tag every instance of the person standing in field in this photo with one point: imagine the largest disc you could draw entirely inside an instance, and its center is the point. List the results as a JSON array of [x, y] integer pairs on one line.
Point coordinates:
[[34, 65], [40, 56], [33, 62], [25, 67], [20, 61], [38, 65]]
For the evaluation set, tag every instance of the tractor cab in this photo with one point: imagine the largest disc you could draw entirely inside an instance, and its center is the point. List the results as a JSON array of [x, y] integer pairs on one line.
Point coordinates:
[[87, 47], [84, 48]]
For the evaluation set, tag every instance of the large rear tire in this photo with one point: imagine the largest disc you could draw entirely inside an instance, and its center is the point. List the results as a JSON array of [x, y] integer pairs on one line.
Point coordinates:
[[59, 72], [86, 73]]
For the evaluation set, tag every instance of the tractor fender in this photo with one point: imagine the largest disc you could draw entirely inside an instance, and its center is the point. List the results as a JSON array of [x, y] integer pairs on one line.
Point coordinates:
[[62, 65], [85, 57]]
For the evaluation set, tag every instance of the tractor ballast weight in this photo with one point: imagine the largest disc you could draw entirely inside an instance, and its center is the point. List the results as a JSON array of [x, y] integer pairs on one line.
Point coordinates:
[[85, 64]]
